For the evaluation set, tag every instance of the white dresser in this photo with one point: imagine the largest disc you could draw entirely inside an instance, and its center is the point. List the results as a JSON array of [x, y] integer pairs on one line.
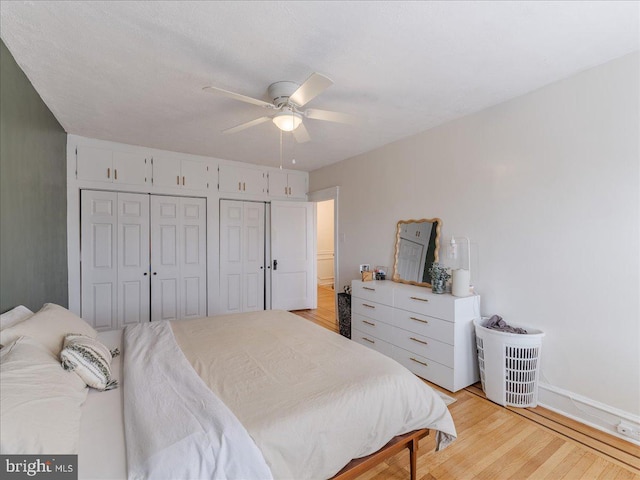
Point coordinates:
[[430, 334]]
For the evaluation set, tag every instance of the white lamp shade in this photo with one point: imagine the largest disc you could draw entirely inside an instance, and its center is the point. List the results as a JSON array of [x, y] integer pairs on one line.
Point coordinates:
[[287, 122]]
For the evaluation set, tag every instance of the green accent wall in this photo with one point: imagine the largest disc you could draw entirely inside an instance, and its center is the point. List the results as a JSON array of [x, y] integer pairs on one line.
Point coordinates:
[[33, 195]]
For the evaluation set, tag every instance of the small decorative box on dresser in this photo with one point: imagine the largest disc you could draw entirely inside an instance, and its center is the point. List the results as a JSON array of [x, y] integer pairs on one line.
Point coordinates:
[[430, 334]]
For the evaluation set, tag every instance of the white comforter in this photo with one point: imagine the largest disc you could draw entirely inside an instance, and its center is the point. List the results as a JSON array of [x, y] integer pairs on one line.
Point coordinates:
[[175, 427], [312, 400]]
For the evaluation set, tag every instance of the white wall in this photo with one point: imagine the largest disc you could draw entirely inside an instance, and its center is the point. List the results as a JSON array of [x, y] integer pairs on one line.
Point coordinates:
[[546, 186]]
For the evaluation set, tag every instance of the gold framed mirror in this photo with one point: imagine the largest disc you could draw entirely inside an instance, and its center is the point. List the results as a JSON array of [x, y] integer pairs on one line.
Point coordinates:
[[417, 245]]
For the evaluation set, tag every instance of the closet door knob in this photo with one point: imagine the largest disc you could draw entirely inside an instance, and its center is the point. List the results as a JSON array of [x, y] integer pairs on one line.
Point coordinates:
[[155, 273], [145, 274]]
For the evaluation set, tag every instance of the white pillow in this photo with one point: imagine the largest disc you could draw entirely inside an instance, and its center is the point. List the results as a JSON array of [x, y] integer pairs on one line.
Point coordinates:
[[13, 316], [39, 402], [90, 359], [49, 326]]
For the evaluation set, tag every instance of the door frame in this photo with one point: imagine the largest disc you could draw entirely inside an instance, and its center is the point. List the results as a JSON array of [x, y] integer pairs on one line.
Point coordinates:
[[331, 193]]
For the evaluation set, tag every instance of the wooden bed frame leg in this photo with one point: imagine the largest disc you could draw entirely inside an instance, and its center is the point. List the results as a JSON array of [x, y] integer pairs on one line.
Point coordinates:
[[413, 454]]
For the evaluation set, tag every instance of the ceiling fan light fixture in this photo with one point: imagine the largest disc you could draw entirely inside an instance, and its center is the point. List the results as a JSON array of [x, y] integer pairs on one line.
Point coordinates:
[[287, 121]]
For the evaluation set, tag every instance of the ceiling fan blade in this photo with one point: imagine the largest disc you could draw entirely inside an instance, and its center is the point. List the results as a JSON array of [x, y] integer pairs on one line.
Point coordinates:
[[237, 96], [311, 88], [301, 134], [330, 116], [242, 126]]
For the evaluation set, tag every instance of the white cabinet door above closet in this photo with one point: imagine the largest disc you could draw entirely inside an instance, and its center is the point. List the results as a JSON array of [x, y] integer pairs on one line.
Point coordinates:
[[178, 258], [180, 173], [103, 165], [242, 180], [287, 185], [115, 258]]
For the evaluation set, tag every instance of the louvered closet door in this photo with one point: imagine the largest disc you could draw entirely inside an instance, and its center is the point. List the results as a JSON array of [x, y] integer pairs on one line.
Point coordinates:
[[178, 258], [115, 258], [241, 256]]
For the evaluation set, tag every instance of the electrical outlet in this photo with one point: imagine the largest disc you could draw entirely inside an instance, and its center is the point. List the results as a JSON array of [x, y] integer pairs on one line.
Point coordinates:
[[629, 430]]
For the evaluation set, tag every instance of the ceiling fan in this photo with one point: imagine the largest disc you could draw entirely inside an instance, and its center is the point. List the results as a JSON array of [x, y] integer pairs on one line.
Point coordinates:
[[287, 100]]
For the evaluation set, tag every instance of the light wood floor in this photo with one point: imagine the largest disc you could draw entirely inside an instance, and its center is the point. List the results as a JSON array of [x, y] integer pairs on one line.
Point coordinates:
[[500, 443]]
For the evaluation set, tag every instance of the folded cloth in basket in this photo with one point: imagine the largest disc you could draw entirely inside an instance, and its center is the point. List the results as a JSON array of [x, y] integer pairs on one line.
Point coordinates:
[[497, 323]]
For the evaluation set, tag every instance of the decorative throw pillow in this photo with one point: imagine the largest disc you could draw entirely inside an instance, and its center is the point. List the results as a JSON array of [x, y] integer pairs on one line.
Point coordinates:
[[14, 316], [49, 325], [90, 359]]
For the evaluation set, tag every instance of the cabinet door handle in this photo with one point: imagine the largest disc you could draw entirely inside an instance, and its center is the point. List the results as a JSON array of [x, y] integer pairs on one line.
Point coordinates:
[[419, 299], [367, 340], [244, 187], [367, 305], [285, 190], [178, 179], [183, 180], [418, 320], [418, 361], [369, 288], [418, 340], [115, 173], [240, 186], [369, 323], [289, 190], [108, 173]]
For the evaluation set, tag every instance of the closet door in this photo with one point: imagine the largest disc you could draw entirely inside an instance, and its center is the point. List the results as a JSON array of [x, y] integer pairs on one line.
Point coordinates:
[[133, 259], [241, 256], [115, 258], [192, 258], [178, 257], [293, 253], [253, 252], [99, 265]]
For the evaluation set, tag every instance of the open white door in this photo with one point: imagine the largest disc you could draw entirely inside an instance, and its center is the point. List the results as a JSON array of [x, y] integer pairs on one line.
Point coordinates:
[[293, 245]]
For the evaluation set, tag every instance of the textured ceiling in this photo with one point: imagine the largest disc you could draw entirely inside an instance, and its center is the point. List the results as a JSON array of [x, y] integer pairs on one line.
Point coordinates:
[[133, 72]]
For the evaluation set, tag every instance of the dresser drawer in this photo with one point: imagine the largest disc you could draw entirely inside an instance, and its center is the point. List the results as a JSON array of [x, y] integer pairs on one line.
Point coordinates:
[[424, 346], [425, 368], [380, 292], [426, 303], [368, 340], [370, 309], [372, 326], [423, 325]]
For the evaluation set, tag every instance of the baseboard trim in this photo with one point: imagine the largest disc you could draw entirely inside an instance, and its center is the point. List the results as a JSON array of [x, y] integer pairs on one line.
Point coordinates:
[[585, 410]]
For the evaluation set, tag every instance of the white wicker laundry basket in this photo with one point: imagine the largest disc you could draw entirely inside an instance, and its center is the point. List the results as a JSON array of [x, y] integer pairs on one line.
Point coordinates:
[[509, 364]]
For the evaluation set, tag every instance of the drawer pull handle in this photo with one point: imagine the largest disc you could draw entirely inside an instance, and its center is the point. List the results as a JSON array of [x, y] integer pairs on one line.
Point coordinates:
[[369, 288], [418, 361], [418, 320], [420, 299], [367, 305], [369, 323], [418, 340], [367, 340]]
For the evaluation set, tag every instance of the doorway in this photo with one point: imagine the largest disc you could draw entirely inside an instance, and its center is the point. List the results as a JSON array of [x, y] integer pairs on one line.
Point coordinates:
[[327, 256]]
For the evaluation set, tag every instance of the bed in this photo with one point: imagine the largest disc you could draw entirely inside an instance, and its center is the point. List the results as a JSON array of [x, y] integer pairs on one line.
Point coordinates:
[[292, 400]]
